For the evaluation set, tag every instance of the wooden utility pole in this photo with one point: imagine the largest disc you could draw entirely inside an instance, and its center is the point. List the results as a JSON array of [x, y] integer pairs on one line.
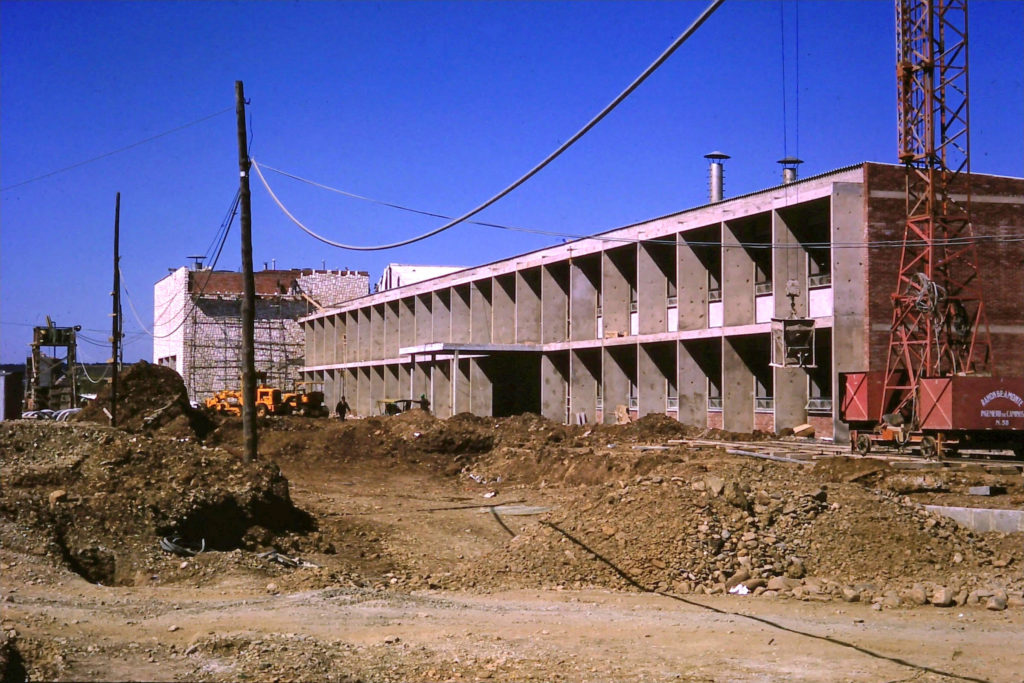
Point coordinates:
[[249, 443], [115, 325]]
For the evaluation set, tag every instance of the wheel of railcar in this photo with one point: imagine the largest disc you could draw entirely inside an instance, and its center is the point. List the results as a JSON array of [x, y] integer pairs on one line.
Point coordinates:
[[863, 444], [929, 448]]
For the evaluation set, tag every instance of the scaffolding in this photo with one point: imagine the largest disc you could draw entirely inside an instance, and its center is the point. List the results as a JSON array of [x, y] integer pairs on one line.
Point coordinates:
[[213, 342]]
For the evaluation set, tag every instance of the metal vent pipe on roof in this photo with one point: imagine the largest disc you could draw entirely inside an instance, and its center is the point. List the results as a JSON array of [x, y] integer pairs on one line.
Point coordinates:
[[789, 165], [716, 176]]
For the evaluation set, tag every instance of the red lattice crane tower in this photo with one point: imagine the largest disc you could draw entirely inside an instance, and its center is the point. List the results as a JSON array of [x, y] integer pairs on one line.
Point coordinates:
[[938, 325]]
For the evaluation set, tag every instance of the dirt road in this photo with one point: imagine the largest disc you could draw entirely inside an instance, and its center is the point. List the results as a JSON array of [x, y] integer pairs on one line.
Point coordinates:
[[232, 632], [462, 550]]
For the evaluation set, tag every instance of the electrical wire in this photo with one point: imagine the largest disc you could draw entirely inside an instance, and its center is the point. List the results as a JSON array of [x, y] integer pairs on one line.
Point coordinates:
[[708, 11], [85, 372], [117, 151], [195, 300], [953, 241]]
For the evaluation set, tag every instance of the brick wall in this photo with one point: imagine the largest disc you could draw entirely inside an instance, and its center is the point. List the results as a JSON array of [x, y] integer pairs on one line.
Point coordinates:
[[326, 286], [997, 210]]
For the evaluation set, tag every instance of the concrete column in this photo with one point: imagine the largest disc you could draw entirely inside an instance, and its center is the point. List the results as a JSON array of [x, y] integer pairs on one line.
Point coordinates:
[[790, 397], [503, 309], [364, 334], [552, 386], [309, 330], [481, 392], [789, 262], [737, 278], [421, 378], [460, 314], [462, 386], [583, 379], [693, 386], [849, 293], [442, 379], [554, 302], [652, 288], [480, 312], [651, 380], [442, 322], [407, 322], [424, 321], [392, 388], [737, 390], [376, 385], [377, 331], [364, 402], [615, 288], [584, 278], [340, 337], [328, 348], [528, 308], [391, 329], [351, 337], [616, 384]]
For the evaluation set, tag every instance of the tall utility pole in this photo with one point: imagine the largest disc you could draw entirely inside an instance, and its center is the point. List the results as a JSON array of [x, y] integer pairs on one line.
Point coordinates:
[[249, 442], [115, 325]]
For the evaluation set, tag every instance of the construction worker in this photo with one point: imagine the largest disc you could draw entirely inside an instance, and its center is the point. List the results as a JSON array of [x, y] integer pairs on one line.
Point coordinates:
[[342, 408], [424, 403]]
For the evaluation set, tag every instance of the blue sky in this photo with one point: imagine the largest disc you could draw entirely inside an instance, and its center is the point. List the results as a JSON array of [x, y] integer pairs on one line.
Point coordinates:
[[433, 105]]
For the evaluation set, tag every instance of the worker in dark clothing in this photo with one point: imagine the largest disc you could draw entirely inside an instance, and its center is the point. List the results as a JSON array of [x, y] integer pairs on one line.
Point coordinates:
[[342, 408], [424, 403]]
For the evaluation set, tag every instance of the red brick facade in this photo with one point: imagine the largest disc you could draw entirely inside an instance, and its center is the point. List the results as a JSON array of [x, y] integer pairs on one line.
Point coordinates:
[[997, 210]]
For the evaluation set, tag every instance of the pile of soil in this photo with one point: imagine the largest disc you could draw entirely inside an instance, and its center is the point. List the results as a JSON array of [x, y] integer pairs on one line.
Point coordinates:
[[701, 522], [150, 398], [98, 500]]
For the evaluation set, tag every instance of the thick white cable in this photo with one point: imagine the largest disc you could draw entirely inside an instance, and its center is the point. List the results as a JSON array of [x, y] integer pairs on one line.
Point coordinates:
[[532, 172], [85, 372]]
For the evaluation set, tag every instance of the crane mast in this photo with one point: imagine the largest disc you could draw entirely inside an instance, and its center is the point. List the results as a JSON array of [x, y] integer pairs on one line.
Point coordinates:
[[938, 326]]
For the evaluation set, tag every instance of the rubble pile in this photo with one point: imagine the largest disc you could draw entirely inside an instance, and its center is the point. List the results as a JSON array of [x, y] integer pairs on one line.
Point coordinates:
[[704, 523], [150, 398], [98, 500]]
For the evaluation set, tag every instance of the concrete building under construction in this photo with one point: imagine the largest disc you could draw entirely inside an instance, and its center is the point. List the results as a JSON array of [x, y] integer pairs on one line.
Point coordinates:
[[672, 315], [198, 322]]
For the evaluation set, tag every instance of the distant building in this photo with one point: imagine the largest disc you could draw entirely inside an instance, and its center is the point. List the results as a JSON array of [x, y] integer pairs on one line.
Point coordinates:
[[673, 315], [198, 322], [400, 274]]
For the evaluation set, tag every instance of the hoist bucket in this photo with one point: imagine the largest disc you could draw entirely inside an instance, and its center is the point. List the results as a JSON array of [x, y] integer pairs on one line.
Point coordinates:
[[793, 343]]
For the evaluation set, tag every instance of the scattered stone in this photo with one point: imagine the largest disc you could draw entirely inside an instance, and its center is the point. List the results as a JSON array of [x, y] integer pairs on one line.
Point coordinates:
[[57, 496], [996, 603], [943, 597], [714, 485]]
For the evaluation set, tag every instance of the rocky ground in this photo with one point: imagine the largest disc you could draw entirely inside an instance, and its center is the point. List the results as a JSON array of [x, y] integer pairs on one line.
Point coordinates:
[[412, 548]]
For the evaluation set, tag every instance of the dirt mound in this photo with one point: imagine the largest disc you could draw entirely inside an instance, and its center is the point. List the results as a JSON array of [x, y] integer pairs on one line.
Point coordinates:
[[98, 500], [701, 522], [412, 438], [150, 398]]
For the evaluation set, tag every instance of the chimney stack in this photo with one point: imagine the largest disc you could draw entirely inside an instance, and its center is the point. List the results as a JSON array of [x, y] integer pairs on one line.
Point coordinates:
[[789, 165], [716, 177]]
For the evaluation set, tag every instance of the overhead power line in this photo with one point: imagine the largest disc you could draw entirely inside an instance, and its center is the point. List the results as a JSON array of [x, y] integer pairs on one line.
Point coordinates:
[[532, 172], [876, 244], [223, 230], [118, 150]]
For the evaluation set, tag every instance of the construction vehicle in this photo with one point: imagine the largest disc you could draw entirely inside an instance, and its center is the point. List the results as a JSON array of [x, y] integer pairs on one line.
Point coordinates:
[[938, 392], [269, 401], [306, 399]]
